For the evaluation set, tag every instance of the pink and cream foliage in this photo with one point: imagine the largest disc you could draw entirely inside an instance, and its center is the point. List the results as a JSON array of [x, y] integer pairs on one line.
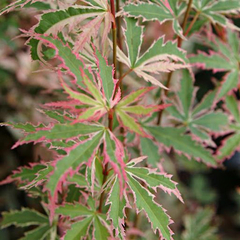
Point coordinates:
[[93, 162]]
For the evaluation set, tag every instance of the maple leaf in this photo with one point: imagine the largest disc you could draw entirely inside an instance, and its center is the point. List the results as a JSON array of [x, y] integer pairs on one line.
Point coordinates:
[[160, 56], [28, 217], [181, 142], [232, 142], [159, 11], [89, 216], [53, 22], [200, 119], [215, 11], [225, 57], [125, 107]]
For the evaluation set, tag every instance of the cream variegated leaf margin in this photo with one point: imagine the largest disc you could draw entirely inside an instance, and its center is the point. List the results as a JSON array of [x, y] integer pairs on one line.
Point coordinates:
[[160, 57], [74, 18]]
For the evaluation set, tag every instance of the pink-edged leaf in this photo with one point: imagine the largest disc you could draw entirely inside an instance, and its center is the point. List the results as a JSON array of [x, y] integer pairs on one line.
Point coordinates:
[[230, 82], [101, 232], [155, 213], [81, 153], [82, 98], [116, 210], [74, 210], [134, 96], [114, 154], [105, 75], [143, 110], [41, 176], [60, 131], [79, 229], [93, 90], [229, 146], [134, 36], [26, 127], [24, 174], [91, 114], [213, 61], [155, 179], [130, 122], [16, 4], [175, 137], [71, 62]]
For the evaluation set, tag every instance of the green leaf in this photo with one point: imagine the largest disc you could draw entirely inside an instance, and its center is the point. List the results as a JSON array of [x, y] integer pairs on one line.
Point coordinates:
[[27, 174], [231, 144], [27, 127], [156, 215], [198, 226], [71, 62], [205, 103], [55, 115], [54, 21], [234, 42], [115, 212], [100, 231], [225, 6], [83, 98], [75, 210], [158, 48], [106, 74], [174, 137], [23, 218], [39, 233], [152, 179], [151, 150], [41, 176], [232, 106], [215, 62], [198, 132], [229, 83], [78, 179], [148, 11], [133, 97], [64, 132], [78, 229], [186, 92], [79, 155], [212, 121], [129, 122], [15, 4], [140, 110], [133, 39]]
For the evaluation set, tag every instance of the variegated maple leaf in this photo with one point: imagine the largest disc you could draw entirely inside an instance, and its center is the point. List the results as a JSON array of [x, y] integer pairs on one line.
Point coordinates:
[[160, 57], [159, 10], [127, 107], [143, 198], [181, 142], [73, 21], [224, 57], [89, 217], [28, 217], [200, 119]]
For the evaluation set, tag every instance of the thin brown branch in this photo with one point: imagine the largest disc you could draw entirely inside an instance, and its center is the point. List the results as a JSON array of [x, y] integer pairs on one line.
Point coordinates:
[[185, 21]]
